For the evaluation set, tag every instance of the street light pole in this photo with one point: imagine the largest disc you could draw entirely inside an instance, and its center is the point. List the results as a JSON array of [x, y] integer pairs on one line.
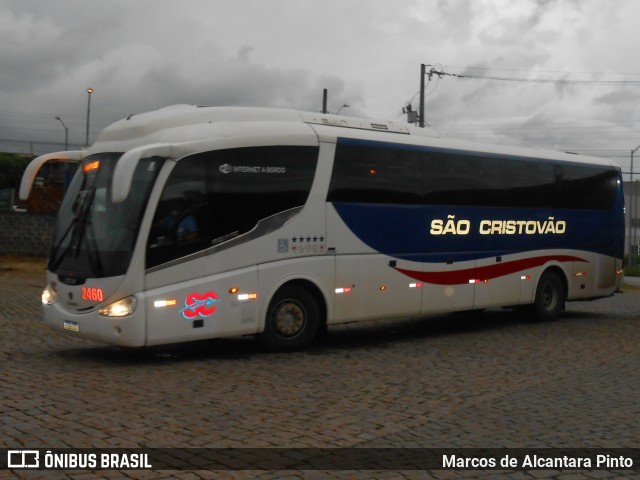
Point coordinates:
[[66, 134], [89, 92]]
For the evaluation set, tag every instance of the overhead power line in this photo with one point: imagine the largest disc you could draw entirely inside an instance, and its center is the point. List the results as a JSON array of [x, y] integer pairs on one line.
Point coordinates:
[[564, 81], [528, 71], [440, 72], [560, 81]]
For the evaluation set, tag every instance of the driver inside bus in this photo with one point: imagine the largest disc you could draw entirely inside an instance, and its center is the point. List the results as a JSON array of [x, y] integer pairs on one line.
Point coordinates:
[[187, 229], [184, 225]]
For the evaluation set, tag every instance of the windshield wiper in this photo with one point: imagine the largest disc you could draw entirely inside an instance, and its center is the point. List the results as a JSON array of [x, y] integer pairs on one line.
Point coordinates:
[[78, 226], [93, 253], [57, 261]]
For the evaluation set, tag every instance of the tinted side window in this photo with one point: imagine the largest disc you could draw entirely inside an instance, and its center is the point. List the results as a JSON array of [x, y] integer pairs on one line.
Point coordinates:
[[587, 188], [180, 225], [215, 196], [247, 185], [386, 174], [528, 184], [452, 179], [375, 175]]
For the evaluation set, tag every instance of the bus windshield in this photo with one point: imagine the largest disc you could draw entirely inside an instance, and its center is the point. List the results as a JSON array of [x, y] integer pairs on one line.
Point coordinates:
[[95, 237]]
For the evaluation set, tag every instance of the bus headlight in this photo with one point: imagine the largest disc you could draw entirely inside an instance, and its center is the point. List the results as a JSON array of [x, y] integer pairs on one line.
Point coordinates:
[[121, 308], [49, 295]]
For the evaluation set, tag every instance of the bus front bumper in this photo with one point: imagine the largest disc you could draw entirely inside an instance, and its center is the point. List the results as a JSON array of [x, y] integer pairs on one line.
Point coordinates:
[[126, 331]]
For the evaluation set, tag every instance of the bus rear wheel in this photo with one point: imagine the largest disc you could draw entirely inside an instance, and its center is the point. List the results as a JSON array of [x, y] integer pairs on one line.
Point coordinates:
[[293, 320], [550, 297]]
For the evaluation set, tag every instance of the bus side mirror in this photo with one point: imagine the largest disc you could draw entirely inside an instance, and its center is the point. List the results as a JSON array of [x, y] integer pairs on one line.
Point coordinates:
[[31, 172], [126, 166]]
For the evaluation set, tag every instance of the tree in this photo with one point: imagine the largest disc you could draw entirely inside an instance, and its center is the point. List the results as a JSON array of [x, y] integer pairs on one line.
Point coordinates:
[[12, 166]]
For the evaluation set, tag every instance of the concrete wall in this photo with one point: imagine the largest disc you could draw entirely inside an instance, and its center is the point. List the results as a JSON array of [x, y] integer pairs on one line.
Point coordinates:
[[26, 233]]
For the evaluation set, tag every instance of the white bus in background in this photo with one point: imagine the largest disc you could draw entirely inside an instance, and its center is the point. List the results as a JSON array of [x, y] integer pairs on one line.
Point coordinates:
[[191, 223]]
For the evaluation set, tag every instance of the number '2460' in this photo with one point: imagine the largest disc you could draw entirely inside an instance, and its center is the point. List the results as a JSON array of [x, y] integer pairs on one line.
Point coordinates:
[[94, 294]]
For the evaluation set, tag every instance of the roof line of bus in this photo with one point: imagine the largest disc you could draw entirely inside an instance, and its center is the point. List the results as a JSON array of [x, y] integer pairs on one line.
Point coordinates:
[[462, 147], [192, 123], [179, 129]]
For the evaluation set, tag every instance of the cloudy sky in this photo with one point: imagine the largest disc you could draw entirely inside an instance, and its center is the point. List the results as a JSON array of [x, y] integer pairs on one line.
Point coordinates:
[[563, 74]]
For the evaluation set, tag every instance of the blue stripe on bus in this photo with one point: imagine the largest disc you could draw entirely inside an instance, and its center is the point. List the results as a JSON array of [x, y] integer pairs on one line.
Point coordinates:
[[403, 231]]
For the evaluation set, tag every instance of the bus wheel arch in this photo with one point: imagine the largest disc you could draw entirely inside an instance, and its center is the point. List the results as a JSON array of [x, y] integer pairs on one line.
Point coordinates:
[[551, 294], [296, 313]]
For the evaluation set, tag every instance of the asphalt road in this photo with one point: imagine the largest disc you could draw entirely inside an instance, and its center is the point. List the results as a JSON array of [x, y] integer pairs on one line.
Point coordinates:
[[483, 381]]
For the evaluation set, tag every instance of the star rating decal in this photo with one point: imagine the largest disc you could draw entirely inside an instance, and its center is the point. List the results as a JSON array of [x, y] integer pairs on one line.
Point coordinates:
[[302, 244]]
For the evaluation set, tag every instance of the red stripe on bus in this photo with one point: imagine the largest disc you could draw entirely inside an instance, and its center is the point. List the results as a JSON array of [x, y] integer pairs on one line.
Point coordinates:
[[457, 277]]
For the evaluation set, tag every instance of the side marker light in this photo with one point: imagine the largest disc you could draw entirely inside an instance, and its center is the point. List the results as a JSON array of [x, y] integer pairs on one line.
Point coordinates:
[[247, 296], [164, 303]]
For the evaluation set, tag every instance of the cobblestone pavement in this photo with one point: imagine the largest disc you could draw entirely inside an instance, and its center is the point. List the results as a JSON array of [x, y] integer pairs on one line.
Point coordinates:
[[494, 380]]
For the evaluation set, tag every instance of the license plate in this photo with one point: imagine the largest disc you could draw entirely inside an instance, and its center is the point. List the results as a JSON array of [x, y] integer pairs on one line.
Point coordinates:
[[71, 326]]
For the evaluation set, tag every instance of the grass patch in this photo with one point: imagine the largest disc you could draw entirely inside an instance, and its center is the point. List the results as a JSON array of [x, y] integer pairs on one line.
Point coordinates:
[[22, 264], [630, 271]]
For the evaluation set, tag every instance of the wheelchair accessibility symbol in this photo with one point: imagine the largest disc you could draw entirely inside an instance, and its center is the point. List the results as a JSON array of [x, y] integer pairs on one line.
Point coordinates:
[[283, 245]]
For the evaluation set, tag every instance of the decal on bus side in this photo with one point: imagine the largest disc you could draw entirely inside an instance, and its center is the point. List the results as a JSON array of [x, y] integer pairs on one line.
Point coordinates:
[[498, 227], [302, 244], [199, 305]]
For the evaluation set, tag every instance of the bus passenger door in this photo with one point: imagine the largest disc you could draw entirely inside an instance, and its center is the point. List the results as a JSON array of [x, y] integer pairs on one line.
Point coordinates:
[[448, 287], [369, 287], [496, 287]]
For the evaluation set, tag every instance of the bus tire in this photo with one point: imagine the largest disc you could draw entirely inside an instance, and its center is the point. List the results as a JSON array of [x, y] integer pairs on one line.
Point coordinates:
[[550, 297], [293, 319]]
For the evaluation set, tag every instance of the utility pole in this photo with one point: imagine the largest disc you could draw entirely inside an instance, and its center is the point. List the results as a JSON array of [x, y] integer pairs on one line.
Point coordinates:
[[423, 72], [432, 71], [324, 101]]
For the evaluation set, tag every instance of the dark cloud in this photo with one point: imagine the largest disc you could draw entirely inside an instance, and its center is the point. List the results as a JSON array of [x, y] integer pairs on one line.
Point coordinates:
[[134, 65], [620, 105], [146, 54]]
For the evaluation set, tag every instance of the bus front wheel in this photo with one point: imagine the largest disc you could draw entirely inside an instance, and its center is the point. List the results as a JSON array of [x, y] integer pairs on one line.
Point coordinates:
[[293, 319], [550, 297]]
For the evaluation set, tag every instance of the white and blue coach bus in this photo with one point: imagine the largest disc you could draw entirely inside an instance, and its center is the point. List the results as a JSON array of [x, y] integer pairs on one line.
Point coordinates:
[[192, 222]]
